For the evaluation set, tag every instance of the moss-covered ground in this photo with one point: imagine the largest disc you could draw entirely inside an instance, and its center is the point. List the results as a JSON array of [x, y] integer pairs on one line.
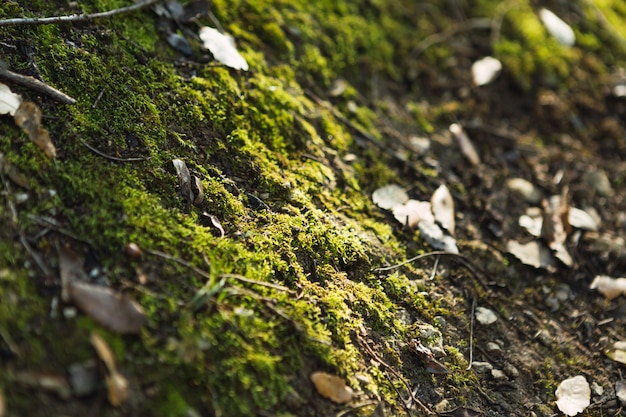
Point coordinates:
[[290, 182]]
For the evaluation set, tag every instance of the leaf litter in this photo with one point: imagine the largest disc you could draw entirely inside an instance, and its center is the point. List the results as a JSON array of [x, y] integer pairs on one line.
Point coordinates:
[[117, 385], [27, 115], [109, 308], [223, 48], [573, 395], [422, 215], [332, 387]]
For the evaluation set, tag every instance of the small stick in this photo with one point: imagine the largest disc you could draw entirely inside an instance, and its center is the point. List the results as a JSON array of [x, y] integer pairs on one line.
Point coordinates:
[[471, 337], [113, 158], [35, 84], [73, 17], [97, 100], [395, 373], [475, 23], [207, 276]]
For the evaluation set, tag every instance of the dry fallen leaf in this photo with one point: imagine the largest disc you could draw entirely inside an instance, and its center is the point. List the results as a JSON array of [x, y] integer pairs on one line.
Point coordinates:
[[526, 189], [109, 308], [117, 385], [620, 392], [435, 237], [557, 28], [413, 211], [332, 387], [9, 101], [617, 352], [466, 145], [184, 180], [532, 253], [556, 226], [28, 117], [216, 223], [390, 196], [485, 70], [609, 287], [223, 48], [442, 206], [573, 395]]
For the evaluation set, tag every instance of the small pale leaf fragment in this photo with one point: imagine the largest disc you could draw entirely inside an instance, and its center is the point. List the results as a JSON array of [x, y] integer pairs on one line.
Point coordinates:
[[117, 385], [466, 145], [413, 211], [557, 28], [389, 196], [532, 253], [573, 395], [599, 181], [223, 48], [184, 179], [617, 352], [526, 189], [485, 70], [115, 311], [442, 206], [435, 237], [9, 101], [332, 387], [485, 315], [609, 287], [580, 219], [620, 392]]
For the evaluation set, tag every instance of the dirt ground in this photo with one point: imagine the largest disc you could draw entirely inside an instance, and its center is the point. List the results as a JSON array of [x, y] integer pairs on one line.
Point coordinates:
[[289, 154]]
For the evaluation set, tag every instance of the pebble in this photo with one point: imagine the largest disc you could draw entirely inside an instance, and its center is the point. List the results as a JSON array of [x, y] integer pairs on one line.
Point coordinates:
[[494, 348], [511, 371], [498, 375], [482, 367]]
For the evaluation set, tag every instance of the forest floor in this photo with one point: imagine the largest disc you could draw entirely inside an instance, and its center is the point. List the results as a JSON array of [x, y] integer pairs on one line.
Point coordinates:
[[226, 303]]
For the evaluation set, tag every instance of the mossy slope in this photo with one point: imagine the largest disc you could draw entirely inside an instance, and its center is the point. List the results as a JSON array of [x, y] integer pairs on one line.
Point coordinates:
[[226, 346]]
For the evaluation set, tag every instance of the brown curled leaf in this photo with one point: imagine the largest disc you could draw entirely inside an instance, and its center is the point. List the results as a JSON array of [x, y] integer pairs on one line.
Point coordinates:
[[115, 311], [28, 117]]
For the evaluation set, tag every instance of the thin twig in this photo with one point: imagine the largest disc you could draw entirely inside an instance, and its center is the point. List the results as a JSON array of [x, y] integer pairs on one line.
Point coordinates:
[[208, 276], [471, 336], [371, 139], [97, 100], [113, 158], [74, 17], [395, 373], [463, 260], [432, 275], [476, 23], [35, 84]]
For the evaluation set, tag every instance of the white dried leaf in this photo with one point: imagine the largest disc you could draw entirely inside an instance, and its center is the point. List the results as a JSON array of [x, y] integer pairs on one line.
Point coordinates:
[[223, 48], [485, 316], [9, 101], [442, 206], [485, 70], [532, 223], [557, 28], [412, 212], [434, 236], [526, 189], [532, 253], [620, 392], [609, 287], [573, 395], [466, 145], [389, 196], [580, 219], [617, 352]]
